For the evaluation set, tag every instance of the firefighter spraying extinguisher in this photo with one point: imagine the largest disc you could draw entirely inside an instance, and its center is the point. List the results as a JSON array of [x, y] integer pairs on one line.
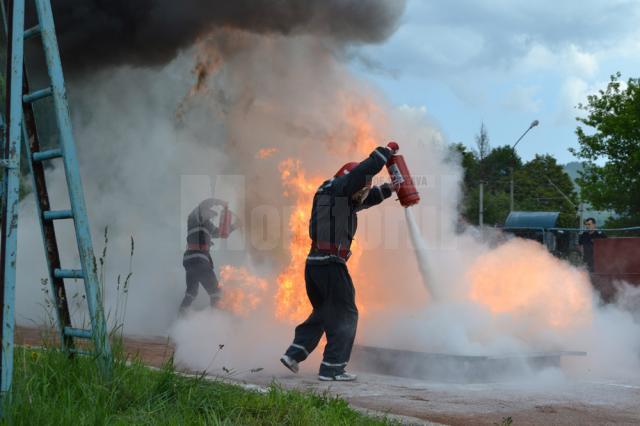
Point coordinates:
[[332, 228]]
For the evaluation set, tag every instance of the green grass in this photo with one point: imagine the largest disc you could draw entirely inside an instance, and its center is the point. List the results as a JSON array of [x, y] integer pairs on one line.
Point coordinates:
[[49, 388]]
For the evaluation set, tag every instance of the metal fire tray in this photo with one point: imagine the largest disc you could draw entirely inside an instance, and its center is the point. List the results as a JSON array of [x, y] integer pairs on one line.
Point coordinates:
[[453, 367]]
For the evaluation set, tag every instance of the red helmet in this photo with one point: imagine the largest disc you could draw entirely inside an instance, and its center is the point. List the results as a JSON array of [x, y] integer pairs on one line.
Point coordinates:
[[346, 169]]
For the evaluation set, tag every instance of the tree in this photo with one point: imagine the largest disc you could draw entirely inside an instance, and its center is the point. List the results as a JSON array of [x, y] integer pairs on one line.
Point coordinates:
[[539, 186], [613, 135], [494, 171], [543, 185], [469, 162], [498, 165], [482, 142]]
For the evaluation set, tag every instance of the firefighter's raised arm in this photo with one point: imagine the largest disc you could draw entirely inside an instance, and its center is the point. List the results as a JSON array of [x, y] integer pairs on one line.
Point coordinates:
[[377, 195], [358, 178]]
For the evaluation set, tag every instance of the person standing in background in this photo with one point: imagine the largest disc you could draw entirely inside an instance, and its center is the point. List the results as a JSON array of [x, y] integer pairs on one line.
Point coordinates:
[[586, 241]]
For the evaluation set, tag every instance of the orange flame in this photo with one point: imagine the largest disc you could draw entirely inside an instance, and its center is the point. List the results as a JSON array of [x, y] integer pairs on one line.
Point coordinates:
[[266, 153], [291, 299], [354, 137], [358, 116], [242, 292]]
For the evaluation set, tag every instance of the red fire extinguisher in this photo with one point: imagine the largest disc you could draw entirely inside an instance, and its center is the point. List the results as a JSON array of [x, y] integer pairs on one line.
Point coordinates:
[[401, 180], [224, 227]]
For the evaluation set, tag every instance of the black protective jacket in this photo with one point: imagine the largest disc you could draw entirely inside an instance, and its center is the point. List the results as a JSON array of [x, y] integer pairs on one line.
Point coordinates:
[[200, 232], [333, 221]]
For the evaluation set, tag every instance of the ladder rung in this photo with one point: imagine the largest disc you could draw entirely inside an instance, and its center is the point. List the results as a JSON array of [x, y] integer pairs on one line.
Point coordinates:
[[58, 214], [68, 273], [32, 32], [38, 94], [47, 155], [77, 332]]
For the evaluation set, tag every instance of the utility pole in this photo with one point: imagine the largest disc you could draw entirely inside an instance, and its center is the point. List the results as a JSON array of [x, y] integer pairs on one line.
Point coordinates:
[[533, 124], [511, 188], [481, 205], [482, 140]]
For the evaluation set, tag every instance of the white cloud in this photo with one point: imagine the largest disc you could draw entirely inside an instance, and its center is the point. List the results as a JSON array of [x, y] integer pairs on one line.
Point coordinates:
[[581, 62], [538, 57], [449, 46], [569, 59], [514, 57], [523, 98], [414, 111], [424, 49], [574, 91], [439, 38]]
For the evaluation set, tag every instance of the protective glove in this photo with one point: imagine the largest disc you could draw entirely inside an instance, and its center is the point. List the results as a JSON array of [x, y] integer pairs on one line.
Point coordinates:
[[387, 189]]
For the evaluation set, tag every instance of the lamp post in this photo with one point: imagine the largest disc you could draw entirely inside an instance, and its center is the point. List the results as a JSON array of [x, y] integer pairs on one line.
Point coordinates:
[[533, 124]]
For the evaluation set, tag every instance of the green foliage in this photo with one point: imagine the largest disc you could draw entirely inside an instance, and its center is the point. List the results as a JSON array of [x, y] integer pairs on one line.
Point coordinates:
[[539, 185], [498, 165], [506, 421], [51, 389], [543, 185], [612, 133], [482, 142], [496, 184]]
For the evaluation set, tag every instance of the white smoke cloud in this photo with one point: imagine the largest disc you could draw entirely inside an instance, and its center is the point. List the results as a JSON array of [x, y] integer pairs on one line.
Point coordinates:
[[293, 95]]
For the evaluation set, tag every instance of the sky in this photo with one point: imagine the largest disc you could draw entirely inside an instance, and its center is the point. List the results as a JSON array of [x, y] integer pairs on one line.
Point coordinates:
[[505, 63]]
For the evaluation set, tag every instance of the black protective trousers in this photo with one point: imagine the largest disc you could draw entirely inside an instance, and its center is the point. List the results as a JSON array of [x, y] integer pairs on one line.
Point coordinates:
[[332, 295], [200, 273]]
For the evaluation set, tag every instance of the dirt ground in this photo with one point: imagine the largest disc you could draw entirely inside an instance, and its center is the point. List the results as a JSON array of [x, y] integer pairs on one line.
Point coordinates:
[[560, 402]]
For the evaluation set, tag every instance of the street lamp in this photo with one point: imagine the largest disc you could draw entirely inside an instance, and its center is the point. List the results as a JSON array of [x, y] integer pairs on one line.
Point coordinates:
[[533, 124]]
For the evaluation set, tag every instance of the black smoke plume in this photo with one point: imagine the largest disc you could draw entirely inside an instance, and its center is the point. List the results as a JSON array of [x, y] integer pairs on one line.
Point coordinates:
[[98, 33]]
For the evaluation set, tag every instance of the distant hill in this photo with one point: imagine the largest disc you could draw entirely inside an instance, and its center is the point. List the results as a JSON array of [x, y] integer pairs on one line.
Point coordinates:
[[572, 170]]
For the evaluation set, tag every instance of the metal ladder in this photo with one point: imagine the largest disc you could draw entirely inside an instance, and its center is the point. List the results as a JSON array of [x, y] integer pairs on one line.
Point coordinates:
[[21, 124]]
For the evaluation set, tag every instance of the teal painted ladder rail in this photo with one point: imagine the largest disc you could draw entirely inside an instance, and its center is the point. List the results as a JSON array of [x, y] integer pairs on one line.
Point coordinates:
[[21, 125]]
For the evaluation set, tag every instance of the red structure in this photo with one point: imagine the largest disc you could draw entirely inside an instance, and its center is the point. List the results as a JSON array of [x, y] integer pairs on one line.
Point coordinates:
[[615, 259]]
